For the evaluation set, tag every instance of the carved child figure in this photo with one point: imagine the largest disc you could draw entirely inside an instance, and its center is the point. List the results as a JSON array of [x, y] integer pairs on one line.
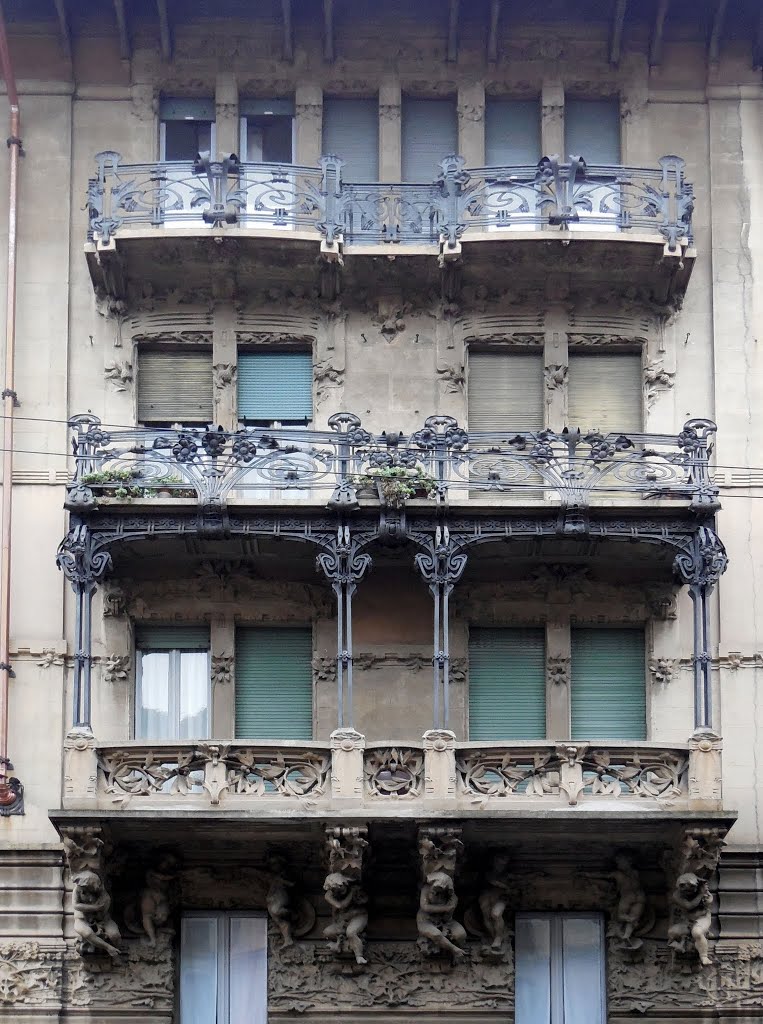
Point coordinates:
[[154, 902], [434, 919], [278, 902], [631, 902], [92, 920], [691, 917], [350, 916], [493, 900]]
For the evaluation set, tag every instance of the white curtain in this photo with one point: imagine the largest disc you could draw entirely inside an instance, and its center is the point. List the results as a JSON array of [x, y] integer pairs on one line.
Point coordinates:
[[583, 944], [194, 695], [198, 973], [532, 952], [152, 719], [248, 970]]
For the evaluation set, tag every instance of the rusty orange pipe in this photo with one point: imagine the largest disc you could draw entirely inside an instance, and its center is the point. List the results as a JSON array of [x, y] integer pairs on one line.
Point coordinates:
[[7, 796]]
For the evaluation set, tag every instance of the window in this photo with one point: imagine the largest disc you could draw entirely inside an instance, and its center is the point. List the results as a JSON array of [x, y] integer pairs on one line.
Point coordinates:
[[275, 387], [173, 683], [604, 391], [608, 689], [559, 964], [274, 683], [512, 132], [223, 969], [429, 134], [267, 131], [175, 387], [592, 130], [505, 390], [186, 128], [507, 684], [351, 132]]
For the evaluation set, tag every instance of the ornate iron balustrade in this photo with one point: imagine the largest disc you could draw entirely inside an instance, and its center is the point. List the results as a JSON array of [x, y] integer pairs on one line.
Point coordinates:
[[439, 460], [572, 771], [311, 776], [551, 195]]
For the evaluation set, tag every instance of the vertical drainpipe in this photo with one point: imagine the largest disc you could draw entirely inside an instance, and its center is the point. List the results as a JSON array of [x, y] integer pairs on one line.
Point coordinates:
[[11, 791]]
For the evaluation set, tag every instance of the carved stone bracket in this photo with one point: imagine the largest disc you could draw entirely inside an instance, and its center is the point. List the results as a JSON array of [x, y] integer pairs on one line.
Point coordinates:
[[689, 896], [344, 893], [94, 926], [440, 935]]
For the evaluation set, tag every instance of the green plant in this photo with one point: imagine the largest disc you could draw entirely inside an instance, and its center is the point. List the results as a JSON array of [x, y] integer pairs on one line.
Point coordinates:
[[397, 483], [106, 478]]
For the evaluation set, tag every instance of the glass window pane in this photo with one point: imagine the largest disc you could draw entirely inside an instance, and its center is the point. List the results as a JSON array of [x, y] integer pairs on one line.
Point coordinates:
[[592, 130], [152, 712], [248, 978], [183, 140], [583, 951], [198, 970], [194, 695], [532, 955]]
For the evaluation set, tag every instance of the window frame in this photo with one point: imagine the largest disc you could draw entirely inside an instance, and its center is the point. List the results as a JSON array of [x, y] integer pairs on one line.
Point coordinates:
[[253, 108], [174, 678], [223, 919], [187, 102], [558, 640], [556, 979]]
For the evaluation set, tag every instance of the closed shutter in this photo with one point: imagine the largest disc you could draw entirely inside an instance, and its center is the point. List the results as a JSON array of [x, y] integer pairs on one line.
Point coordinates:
[[608, 691], [351, 131], [429, 134], [592, 130], [274, 683], [507, 684], [512, 132], [505, 391], [605, 391], [171, 638], [275, 386], [175, 387]]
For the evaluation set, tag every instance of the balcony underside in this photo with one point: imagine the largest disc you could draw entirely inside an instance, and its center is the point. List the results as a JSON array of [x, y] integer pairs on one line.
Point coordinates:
[[237, 262]]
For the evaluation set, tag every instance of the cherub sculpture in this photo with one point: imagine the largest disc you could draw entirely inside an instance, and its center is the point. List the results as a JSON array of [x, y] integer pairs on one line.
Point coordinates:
[[493, 901], [691, 901], [92, 921], [347, 900], [630, 913], [434, 920], [154, 900]]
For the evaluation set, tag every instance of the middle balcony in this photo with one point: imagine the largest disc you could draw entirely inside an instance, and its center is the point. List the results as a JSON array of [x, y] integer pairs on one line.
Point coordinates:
[[224, 224]]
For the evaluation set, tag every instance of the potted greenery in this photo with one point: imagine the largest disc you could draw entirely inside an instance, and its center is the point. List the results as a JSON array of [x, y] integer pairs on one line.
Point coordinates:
[[396, 484], [114, 482]]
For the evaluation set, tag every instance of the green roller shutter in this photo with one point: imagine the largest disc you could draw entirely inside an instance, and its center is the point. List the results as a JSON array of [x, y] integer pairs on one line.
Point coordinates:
[[274, 683], [351, 132], [507, 684], [275, 386], [605, 392], [505, 391], [175, 387], [608, 690], [429, 134], [171, 638]]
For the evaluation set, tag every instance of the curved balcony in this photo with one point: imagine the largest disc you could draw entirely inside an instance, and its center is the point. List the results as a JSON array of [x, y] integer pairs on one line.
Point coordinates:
[[633, 224], [347, 466]]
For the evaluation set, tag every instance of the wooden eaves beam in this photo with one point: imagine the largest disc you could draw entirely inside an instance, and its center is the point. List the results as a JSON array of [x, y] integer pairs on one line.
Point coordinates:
[[63, 29], [165, 36], [452, 52], [655, 47], [716, 34], [124, 37], [288, 35], [492, 32], [328, 31], [616, 35]]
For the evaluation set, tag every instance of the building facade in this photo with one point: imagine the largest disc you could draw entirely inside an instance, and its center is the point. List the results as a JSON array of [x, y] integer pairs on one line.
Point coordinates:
[[384, 391]]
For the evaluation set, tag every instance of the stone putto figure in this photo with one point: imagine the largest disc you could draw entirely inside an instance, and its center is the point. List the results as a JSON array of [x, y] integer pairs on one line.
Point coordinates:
[[344, 892], [630, 915], [493, 901], [438, 932], [691, 901], [92, 919], [350, 916]]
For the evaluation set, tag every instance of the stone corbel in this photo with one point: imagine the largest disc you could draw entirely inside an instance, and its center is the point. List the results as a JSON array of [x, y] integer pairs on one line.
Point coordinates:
[[440, 935], [689, 897], [439, 764], [571, 779], [347, 748], [345, 895], [96, 930], [705, 792]]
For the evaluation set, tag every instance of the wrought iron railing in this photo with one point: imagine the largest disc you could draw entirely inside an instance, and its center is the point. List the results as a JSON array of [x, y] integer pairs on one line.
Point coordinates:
[[336, 467], [311, 774], [552, 195]]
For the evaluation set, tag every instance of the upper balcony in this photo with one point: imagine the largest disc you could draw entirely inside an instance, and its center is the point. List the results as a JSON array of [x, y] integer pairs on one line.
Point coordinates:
[[346, 467], [625, 226]]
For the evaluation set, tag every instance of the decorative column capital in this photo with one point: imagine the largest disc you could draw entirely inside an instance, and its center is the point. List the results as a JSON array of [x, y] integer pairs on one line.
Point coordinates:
[[703, 560]]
